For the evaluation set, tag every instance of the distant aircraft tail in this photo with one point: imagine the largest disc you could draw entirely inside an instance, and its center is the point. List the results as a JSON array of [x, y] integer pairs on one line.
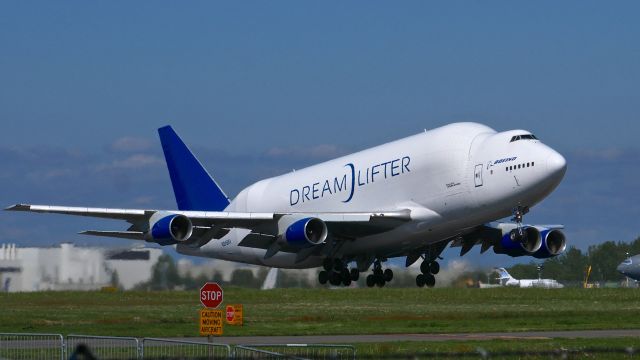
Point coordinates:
[[193, 187], [504, 274]]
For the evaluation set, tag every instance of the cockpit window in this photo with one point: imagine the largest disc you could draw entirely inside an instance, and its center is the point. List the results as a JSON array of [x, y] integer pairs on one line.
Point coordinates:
[[627, 262], [524, 137]]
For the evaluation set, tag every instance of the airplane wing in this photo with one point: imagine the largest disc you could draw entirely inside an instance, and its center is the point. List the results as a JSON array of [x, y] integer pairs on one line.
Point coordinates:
[[216, 224]]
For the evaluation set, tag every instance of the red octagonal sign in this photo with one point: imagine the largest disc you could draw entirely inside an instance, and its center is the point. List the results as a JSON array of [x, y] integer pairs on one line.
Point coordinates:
[[211, 295]]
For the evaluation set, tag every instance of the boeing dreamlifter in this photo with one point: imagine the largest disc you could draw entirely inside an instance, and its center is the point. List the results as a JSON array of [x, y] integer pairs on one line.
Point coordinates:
[[411, 197]]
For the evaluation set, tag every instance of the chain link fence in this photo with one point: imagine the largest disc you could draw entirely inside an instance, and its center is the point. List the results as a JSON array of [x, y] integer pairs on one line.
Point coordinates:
[[153, 348], [104, 347], [296, 351], [32, 346]]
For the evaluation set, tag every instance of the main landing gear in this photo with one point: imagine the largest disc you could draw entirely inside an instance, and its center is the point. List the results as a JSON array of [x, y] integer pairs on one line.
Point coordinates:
[[428, 270], [337, 273], [379, 277]]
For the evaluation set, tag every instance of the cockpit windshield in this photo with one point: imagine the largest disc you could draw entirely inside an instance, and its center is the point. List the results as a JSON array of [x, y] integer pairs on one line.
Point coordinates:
[[524, 137], [627, 262]]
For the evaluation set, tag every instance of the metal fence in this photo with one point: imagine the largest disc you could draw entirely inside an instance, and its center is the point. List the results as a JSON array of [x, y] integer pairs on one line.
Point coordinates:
[[296, 351], [32, 346], [179, 349], [104, 347]]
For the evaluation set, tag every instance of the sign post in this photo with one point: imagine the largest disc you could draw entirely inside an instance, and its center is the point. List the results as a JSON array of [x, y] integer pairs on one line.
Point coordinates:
[[234, 314], [211, 320], [211, 295]]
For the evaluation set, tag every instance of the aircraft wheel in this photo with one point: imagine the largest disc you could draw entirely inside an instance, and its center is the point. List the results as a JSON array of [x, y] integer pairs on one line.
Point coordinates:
[[335, 279], [327, 264], [323, 277], [344, 274], [355, 274], [434, 267], [424, 267], [430, 280], [377, 272], [371, 280], [420, 280], [388, 275], [380, 281], [346, 282]]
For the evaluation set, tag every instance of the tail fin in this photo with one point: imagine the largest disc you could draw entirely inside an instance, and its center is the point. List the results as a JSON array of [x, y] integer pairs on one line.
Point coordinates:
[[504, 274], [193, 187]]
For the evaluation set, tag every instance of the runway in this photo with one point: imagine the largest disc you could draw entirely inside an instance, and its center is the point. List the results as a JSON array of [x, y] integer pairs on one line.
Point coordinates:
[[351, 339]]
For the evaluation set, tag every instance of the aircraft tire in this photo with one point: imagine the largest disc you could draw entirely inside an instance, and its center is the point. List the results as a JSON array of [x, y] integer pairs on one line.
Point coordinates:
[[420, 280], [430, 280], [345, 275], [371, 281], [355, 274], [327, 264], [434, 267], [335, 279], [380, 281], [346, 282], [424, 267], [323, 277], [388, 275]]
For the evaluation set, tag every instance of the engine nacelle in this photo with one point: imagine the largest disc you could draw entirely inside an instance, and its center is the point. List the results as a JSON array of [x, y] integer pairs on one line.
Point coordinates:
[[554, 243], [514, 244], [304, 232], [168, 229]]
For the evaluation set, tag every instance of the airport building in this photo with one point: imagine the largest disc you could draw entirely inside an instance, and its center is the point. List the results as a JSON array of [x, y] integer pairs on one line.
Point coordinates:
[[67, 267]]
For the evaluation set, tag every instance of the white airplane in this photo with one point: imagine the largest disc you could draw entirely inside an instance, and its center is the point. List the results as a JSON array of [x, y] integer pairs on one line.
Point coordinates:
[[507, 280], [411, 197]]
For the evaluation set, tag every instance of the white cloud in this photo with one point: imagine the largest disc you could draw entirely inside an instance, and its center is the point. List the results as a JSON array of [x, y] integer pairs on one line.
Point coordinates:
[[130, 144], [135, 161]]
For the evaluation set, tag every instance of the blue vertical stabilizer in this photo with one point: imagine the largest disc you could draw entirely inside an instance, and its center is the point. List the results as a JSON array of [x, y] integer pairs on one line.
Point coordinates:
[[193, 187]]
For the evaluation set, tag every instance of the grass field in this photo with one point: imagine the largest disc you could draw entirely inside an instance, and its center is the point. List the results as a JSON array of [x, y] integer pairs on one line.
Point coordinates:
[[323, 311]]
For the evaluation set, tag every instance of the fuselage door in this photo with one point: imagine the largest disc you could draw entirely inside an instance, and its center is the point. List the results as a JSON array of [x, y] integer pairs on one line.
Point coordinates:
[[477, 176]]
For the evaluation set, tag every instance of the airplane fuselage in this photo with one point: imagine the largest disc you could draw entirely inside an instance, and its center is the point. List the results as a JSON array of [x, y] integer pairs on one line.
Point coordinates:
[[450, 179]]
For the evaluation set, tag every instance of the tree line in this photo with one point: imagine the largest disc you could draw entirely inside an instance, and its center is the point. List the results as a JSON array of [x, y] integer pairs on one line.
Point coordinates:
[[571, 265]]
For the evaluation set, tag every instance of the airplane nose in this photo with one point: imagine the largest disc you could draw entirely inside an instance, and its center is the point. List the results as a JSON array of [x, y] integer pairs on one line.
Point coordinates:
[[556, 165]]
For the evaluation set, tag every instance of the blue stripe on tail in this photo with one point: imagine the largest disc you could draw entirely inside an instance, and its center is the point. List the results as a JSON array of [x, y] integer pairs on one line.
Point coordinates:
[[193, 187]]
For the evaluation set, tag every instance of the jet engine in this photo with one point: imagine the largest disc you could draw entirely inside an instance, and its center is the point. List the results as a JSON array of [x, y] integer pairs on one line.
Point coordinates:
[[553, 243], [168, 229], [514, 243], [303, 232]]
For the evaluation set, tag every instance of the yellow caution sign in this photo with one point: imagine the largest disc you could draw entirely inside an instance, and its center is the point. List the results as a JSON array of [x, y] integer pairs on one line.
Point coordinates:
[[211, 322], [234, 314]]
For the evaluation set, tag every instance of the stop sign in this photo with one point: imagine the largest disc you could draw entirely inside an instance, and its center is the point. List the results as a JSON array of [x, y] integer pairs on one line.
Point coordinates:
[[230, 313], [211, 295]]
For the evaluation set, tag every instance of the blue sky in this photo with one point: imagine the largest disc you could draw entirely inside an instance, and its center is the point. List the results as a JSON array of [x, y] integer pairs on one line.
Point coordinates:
[[259, 88]]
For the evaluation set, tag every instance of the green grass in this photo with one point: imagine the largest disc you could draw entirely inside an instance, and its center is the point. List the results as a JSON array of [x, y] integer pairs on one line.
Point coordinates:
[[580, 348], [323, 311]]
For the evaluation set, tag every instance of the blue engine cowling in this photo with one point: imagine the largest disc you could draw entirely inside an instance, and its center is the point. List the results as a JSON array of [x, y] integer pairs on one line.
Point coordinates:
[[171, 229], [553, 243], [514, 245], [306, 232]]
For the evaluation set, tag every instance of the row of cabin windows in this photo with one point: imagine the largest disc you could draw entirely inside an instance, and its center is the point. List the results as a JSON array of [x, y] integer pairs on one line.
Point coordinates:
[[519, 166]]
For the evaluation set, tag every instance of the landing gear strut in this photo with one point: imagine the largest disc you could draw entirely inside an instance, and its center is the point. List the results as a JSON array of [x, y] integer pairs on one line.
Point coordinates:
[[518, 214], [379, 277], [337, 273]]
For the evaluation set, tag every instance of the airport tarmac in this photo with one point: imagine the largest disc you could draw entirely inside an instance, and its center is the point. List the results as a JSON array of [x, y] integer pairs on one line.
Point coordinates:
[[351, 339]]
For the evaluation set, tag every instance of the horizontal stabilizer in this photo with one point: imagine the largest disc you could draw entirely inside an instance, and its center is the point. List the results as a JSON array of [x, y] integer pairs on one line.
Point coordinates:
[[132, 235]]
